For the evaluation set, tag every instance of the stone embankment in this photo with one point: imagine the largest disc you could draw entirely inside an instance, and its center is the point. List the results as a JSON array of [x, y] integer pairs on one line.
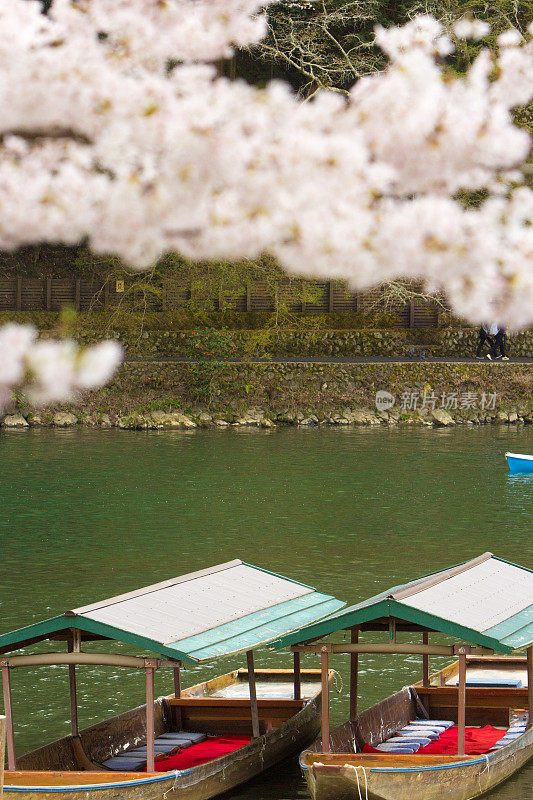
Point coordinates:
[[398, 343], [164, 395], [158, 420]]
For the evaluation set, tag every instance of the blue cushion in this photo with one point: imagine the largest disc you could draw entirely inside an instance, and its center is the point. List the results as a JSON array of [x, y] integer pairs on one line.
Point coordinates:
[[421, 741], [414, 727], [424, 734], [125, 764], [386, 748], [191, 736], [438, 723], [158, 748]]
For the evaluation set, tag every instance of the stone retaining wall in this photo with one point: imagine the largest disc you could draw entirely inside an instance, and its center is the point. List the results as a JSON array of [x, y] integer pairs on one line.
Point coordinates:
[[448, 343], [152, 395]]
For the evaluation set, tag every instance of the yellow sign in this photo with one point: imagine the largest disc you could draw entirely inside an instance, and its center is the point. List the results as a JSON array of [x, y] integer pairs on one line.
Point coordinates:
[[119, 287]]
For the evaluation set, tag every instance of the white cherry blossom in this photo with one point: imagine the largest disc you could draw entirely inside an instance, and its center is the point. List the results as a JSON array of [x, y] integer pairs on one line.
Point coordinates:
[[117, 129]]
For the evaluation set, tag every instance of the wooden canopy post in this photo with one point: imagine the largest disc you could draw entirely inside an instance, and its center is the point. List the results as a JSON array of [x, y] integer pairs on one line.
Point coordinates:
[[253, 693], [530, 684], [73, 647], [177, 682], [354, 669], [150, 727], [461, 704], [8, 711], [297, 677], [425, 661], [325, 701], [2, 752]]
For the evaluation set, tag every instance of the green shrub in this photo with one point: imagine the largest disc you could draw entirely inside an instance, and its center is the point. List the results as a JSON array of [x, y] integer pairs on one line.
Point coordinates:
[[209, 351]]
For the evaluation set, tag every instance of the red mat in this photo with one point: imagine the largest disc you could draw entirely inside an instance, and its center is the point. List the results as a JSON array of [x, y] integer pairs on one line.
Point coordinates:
[[213, 747], [477, 741]]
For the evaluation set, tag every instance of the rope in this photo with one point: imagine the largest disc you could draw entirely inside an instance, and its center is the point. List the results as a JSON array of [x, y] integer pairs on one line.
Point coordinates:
[[485, 768], [176, 773], [356, 769], [336, 685]]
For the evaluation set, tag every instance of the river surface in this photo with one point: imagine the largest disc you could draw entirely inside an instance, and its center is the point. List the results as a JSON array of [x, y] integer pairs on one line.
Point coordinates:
[[89, 514]]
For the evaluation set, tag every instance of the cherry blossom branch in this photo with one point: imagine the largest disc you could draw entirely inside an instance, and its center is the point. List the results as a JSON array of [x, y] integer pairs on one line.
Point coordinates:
[[366, 188]]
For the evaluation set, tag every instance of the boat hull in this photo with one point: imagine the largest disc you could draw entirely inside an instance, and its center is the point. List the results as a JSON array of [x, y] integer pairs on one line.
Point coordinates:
[[347, 773], [519, 463], [197, 783], [463, 780]]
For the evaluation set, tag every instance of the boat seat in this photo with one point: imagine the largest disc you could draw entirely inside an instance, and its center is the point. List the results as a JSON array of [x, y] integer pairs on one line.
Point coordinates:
[[424, 733], [418, 741], [516, 729], [416, 734], [164, 749], [387, 747], [440, 723], [192, 736], [510, 682], [121, 764]]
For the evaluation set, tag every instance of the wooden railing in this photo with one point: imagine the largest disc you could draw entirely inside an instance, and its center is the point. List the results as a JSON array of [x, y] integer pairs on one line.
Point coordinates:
[[309, 297]]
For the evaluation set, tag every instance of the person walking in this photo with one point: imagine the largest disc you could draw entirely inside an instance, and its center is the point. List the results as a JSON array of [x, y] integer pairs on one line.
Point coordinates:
[[498, 344], [484, 336]]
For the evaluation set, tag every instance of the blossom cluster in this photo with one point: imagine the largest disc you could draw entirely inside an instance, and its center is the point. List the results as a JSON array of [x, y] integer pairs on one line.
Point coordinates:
[[46, 371], [117, 129]]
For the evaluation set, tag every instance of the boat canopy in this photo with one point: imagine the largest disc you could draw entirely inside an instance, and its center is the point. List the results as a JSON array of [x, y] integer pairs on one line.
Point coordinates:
[[486, 601], [226, 609]]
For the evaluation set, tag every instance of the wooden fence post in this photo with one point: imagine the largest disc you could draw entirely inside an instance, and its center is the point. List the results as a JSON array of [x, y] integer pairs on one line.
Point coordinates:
[[2, 752], [48, 294], [248, 296], [331, 296], [77, 294], [412, 314], [18, 294]]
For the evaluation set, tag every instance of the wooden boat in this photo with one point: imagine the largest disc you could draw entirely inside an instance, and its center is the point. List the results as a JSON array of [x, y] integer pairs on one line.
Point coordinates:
[[243, 722], [342, 773], [385, 752], [218, 706], [518, 462]]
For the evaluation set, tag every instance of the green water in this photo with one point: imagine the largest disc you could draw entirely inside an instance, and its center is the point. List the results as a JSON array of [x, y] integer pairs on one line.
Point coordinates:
[[89, 514]]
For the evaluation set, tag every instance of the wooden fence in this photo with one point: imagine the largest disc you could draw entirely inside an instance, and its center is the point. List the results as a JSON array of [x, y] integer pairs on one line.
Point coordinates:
[[52, 294]]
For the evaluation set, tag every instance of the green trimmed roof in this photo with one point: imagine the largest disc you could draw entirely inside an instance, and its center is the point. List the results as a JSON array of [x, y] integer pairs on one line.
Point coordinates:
[[486, 601], [205, 615]]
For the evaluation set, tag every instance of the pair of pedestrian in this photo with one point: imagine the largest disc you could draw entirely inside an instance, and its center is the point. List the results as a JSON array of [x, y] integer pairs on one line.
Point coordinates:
[[496, 338]]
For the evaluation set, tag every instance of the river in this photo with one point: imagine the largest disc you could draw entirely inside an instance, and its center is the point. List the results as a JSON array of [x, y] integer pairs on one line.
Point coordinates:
[[89, 514]]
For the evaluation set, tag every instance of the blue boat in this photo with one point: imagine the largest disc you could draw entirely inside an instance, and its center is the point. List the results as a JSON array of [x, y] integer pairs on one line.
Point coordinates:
[[519, 463]]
